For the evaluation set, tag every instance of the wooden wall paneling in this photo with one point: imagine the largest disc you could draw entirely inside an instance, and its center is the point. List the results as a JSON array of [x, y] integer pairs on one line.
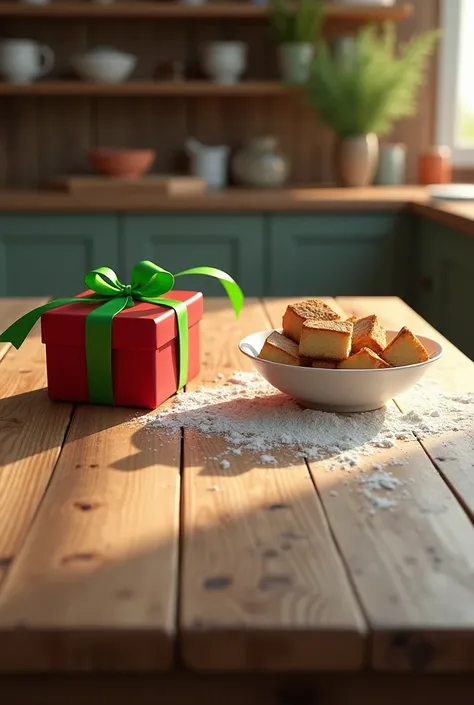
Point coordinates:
[[3, 144], [23, 152], [144, 122], [418, 132], [47, 136]]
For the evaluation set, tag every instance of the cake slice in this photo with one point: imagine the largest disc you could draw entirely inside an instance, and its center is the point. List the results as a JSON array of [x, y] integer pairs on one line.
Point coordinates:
[[405, 349], [368, 333], [297, 314], [326, 340], [278, 348], [365, 359], [324, 363]]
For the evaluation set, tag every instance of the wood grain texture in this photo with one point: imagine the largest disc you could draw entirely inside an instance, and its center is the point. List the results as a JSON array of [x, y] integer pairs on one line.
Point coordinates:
[[162, 114], [263, 587], [411, 565], [451, 453], [297, 200], [32, 430], [95, 585]]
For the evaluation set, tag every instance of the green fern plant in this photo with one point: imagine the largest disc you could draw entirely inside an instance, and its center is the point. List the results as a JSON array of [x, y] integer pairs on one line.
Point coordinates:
[[370, 87], [298, 24]]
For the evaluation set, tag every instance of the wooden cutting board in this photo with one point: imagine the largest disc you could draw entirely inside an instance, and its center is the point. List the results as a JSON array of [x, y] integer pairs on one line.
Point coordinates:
[[169, 185]]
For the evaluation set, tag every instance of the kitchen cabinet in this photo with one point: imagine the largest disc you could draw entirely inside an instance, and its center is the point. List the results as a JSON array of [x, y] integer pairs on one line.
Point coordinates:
[[233, 243], [43, 255], [332, 254], [446, 282]]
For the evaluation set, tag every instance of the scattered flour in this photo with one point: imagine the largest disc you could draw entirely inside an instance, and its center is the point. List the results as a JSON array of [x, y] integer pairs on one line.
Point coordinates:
[[267, 459], [253, 417]]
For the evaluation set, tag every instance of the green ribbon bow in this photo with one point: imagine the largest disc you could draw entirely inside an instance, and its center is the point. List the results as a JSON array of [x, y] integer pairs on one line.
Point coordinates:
[[149, 283]]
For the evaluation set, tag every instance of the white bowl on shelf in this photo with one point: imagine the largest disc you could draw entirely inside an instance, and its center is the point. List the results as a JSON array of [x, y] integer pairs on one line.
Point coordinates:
[[342, 391], [104, 65], [224, 62]]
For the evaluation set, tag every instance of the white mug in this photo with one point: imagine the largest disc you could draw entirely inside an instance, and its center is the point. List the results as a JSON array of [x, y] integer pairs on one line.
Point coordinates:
[[23, 60]]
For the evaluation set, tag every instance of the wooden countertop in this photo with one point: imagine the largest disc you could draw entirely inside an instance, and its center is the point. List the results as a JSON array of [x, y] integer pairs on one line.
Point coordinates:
[[282, 567], [230, 200], [458, 215]]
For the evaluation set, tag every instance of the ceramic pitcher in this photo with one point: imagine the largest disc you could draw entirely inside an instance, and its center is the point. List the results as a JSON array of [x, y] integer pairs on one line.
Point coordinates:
[[209, 162]]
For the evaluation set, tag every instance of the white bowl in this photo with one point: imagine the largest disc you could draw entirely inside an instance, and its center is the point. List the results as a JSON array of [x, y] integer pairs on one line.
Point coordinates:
[[104, 68], [343, 391], [224, 62]]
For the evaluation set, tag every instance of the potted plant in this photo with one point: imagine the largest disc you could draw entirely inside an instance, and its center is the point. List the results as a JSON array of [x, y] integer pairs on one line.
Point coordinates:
[[296, 29], [360, 92]]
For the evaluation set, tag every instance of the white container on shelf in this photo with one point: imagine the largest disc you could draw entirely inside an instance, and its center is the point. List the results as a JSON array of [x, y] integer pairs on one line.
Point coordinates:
[[104, 65], [209, 162], [24, 60], [295, 61], [224, 62]]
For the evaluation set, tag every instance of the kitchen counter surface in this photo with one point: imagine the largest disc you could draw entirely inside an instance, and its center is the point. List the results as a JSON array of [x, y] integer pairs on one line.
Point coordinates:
[[230, 200], [458, 215]]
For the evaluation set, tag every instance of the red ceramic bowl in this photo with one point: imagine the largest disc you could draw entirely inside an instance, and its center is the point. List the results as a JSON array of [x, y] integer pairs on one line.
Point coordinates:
[[123, 163]]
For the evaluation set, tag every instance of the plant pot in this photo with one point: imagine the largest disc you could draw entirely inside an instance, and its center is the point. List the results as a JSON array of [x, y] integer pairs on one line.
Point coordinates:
[[355, 159], [295, 62]]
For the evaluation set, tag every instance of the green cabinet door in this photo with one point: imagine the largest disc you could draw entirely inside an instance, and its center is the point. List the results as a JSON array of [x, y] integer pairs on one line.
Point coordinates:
[[332, 254], [233, 243], [446, 282], [48, 255]]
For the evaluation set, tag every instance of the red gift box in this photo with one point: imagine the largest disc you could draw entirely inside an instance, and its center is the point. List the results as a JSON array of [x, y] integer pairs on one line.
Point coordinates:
[[144, 351]]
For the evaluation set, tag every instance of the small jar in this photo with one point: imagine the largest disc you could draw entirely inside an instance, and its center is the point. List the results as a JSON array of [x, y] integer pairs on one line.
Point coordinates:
[[392, 165], [435, 166]]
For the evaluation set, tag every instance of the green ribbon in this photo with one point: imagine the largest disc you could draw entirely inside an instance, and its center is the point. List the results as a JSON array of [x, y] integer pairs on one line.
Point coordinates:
[[149, 283]]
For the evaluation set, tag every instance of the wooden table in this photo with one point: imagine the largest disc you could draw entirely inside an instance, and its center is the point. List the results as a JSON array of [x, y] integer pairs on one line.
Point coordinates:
[[122, 575]]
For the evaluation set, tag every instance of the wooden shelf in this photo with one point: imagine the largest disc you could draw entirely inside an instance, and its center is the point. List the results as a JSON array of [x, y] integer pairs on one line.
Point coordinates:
[[174, 10], [147, 88]]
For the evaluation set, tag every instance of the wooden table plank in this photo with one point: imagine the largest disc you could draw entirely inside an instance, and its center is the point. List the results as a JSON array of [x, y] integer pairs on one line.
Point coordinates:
[[95, 585], [453, 374], [413, 566], [32, 430], [263, 586]]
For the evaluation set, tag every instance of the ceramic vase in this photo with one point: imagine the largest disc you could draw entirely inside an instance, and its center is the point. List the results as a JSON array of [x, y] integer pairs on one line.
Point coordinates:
[[356, 159], [260, 164], [295, 62]]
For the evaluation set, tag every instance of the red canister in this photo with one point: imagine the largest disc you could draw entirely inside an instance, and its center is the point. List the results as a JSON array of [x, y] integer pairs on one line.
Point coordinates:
[[435, 166]]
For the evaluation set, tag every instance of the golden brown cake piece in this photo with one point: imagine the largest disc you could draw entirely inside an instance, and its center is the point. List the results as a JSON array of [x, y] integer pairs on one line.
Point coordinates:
[[368, 333], [324, 363], [278, 348], [405, 349], [352, 319], [326, 340], [365, 359], [297, 314]]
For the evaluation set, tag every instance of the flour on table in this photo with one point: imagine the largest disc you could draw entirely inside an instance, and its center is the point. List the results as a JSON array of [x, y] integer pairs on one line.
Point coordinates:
[[251, 416]]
